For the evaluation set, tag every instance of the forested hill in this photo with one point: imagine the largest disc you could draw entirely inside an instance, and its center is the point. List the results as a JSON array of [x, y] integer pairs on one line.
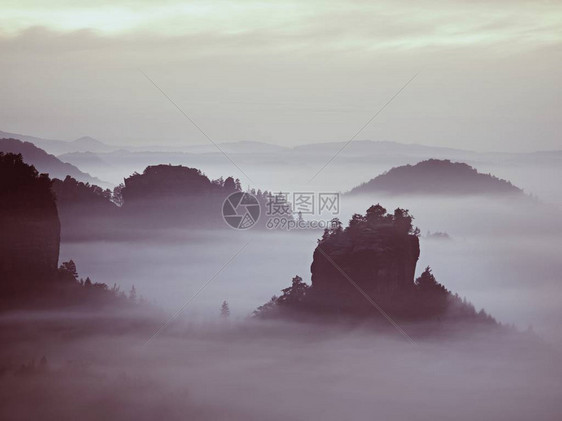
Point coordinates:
[[436, 176]]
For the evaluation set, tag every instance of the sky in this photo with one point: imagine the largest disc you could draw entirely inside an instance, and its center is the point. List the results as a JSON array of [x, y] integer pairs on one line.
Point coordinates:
[[486, 74]]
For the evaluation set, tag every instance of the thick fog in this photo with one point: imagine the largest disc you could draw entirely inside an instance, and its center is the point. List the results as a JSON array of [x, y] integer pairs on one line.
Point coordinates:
[[316, 97], [502, 255], [177, 359], [277, 371]]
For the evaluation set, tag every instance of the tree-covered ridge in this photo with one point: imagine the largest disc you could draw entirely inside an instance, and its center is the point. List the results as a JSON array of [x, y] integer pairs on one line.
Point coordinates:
[[435, 176], [86, 211], [73, 192], [70, 289], [173, 195], [162, 196], [22, 184], [173, 180], [376, 222]]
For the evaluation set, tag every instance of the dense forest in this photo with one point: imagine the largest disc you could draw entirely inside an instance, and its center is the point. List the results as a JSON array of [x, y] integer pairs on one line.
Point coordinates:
[[162, 196]]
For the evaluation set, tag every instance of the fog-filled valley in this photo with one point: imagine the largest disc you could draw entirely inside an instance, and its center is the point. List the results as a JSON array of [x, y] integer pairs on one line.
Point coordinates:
[[168, 347], [281, 210], [502, 254], [277, 371]]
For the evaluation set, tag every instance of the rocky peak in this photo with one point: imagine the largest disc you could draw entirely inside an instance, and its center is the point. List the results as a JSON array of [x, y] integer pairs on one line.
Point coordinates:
[[377, 251]]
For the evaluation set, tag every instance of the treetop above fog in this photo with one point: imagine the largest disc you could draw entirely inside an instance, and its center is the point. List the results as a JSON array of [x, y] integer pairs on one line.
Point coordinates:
[[376, 222], [170, 180], [22, 183]]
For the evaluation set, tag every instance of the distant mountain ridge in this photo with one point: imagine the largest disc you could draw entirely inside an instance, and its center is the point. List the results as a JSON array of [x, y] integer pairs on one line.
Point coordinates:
[[243, 146], [44, 162], [89, 144], [358, 147], [282, 167], [435, 176], [56, 147]]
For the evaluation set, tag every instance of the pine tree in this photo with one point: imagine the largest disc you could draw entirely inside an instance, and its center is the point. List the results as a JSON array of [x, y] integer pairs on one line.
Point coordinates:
[[225, 310], [68, 271], [294, 294]]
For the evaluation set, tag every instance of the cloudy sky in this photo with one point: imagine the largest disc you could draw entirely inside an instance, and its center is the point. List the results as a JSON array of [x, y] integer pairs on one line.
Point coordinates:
[[488, 72]]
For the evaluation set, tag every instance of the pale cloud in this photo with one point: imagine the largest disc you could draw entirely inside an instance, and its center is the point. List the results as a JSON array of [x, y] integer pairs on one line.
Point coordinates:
[[285, 72], [355, 24]]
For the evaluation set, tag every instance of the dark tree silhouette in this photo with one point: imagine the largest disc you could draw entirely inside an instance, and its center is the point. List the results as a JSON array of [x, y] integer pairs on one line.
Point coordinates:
[[376, 214], [294, 294], [117, 196], [225, 310], [68, 272], [229, 184], [427, 282]]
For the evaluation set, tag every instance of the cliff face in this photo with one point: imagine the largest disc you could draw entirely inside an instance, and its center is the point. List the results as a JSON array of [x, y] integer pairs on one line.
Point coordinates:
[[376, 267], [29, 223], [378, 254], [29, 248]]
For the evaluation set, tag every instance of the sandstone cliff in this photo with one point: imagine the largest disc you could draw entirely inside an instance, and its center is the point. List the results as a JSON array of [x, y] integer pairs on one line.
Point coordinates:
[[375, 255], [367, 270], [30, 227]]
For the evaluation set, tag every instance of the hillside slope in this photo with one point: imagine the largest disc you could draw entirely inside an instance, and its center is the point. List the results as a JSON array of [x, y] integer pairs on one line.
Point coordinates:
[[436, 176], [44, 162]]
